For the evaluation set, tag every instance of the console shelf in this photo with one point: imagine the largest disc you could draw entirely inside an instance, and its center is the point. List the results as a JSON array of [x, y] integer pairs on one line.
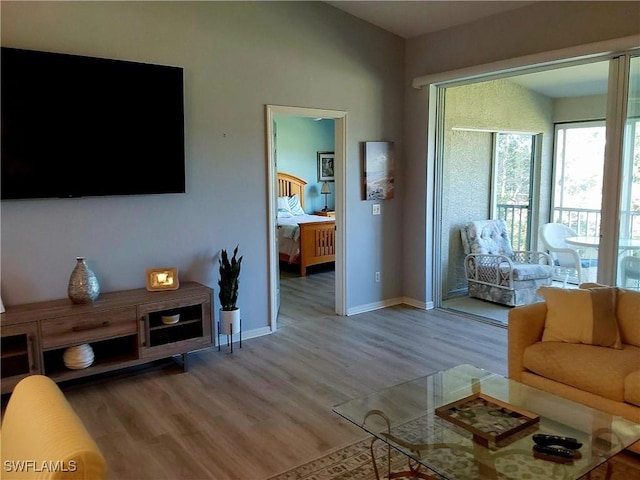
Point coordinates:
[[123, 328]]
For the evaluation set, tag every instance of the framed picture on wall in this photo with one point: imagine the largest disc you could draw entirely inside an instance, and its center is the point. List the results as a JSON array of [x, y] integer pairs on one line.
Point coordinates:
[[378, 170], [326, 166]]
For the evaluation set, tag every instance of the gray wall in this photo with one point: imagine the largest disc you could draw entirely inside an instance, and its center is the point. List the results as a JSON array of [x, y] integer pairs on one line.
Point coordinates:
[[237, 57], [541, 27]]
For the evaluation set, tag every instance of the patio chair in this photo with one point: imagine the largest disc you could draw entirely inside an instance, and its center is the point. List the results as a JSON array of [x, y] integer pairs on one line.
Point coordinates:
[[498, 274], [569, 266], [631, 271]]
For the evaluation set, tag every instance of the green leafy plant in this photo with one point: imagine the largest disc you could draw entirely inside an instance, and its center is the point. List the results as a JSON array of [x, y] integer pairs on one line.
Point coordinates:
[[229, 280]]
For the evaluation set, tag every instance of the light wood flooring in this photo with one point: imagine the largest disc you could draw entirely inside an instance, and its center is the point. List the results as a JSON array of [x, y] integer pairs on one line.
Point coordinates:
[[267, 407]]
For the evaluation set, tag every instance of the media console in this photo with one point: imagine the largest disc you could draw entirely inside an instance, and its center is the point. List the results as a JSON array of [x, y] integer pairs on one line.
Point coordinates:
[[123, 328]]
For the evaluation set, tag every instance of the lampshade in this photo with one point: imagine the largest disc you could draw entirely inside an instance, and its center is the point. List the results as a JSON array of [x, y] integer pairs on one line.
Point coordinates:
[[325, 188]]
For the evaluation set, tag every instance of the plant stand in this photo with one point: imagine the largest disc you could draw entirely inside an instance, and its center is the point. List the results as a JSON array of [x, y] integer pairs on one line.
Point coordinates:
[[230, 336]]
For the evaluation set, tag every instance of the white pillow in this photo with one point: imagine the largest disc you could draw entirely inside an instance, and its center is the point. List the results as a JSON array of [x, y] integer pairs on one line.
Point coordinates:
[[295, 207], [284, 211]]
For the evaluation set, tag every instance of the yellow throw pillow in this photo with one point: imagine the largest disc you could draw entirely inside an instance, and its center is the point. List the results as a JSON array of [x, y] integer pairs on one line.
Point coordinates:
[[581, 316], [628, 312]]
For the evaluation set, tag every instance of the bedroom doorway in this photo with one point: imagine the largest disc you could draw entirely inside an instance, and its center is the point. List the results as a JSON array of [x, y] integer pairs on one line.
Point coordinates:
[[272, 112]]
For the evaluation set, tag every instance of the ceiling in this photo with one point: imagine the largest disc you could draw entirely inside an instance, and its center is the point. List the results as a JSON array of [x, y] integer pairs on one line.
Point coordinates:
[[414, 18], [409, 19]]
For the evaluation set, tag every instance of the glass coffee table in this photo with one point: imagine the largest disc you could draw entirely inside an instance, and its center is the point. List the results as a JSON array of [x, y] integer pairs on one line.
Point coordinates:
[[432, 420]]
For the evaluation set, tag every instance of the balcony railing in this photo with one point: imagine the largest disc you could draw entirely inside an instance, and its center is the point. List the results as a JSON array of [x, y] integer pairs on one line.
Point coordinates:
[[584, 221], [517, 219]]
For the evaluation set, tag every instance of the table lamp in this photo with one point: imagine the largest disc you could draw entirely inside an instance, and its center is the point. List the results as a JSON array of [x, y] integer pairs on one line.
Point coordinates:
[[325, 190]]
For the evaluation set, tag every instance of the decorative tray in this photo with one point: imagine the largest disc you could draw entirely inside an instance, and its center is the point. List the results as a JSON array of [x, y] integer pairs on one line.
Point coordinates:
[[487, 418]]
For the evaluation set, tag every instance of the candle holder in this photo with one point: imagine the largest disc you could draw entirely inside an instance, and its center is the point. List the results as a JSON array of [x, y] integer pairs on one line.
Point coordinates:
[[163, 278]]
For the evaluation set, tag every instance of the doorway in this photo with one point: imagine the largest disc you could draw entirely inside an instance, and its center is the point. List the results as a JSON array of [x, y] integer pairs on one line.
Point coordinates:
[[339, 117]]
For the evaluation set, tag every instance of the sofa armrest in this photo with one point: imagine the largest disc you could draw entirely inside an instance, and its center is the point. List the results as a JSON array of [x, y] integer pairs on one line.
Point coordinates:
[[526, 324], [41, 430]]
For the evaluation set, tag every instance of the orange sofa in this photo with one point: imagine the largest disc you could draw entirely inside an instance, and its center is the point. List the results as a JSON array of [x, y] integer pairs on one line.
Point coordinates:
[[602, 377]]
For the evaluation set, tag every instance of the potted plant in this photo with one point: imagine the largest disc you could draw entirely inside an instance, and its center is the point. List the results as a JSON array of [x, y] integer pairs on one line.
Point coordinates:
[[228, 295]]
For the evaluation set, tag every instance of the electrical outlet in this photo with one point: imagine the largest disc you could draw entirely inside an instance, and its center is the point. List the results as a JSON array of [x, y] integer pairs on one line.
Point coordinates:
[[377, 276], [376, 209]]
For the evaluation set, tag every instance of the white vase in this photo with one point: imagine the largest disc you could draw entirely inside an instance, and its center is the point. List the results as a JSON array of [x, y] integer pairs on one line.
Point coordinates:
[[229, 321]]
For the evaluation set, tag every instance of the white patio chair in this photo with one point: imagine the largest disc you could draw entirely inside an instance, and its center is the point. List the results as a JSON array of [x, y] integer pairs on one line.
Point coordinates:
[[566, 259], [630, 267]]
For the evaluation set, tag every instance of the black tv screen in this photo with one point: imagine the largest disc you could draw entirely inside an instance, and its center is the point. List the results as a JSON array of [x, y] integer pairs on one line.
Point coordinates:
[[75, 126]]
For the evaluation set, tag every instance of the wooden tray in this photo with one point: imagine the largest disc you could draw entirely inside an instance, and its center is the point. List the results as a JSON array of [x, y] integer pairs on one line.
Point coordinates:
[[487, 418]]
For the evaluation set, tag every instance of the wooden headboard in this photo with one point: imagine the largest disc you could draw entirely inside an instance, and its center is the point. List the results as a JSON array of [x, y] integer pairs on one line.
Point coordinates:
[[290, 185]]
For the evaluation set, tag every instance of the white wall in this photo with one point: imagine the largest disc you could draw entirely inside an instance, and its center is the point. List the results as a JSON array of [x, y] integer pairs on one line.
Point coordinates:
[[577, 109], [541, 27], [237, 57]]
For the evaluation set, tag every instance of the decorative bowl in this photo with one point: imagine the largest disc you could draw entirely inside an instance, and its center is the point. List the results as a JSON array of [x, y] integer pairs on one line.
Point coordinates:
[[78, 357], [170, 319]]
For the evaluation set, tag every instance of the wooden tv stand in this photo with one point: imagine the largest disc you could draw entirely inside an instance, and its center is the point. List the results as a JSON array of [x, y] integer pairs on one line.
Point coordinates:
[[123, 328]]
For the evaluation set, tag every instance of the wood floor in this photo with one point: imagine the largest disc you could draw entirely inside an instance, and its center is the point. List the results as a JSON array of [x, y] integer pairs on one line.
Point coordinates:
[[267, 407]]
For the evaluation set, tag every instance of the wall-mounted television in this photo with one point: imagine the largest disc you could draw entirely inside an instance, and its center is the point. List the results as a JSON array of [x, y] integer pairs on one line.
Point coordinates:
[[75, 126]]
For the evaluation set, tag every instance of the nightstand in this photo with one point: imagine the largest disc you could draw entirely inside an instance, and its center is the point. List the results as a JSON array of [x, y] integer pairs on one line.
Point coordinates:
[[329, 213]]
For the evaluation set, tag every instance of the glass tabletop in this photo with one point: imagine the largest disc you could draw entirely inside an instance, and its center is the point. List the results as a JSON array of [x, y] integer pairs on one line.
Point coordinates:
[[421, 418]]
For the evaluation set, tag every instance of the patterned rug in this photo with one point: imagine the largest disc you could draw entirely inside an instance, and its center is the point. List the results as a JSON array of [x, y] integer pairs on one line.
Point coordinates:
[[354, 463]]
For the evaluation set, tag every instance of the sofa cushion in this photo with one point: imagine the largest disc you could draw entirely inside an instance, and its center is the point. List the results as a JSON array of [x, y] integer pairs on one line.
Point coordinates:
[[581, 316], [628, 313], [632, 388], [529, 271], [598, 370]]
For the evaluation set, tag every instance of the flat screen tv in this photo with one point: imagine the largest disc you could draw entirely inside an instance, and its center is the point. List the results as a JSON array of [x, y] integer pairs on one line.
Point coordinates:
[[75, 126]]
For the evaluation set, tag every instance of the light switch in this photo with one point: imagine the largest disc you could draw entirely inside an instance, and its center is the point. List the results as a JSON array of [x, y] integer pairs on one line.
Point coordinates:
[[376, 209]]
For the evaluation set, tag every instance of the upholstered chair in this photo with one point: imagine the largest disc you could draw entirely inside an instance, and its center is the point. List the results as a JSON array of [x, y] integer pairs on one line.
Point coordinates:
[[497, 273]]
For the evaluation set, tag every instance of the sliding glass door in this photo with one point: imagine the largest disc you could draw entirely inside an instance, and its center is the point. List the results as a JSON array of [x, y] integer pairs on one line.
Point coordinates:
[[571, 113], [577, 189], [629, 238]]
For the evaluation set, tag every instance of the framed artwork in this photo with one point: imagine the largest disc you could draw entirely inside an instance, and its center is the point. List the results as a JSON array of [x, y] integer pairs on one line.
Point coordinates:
[[326, 167], [378, 170], [163, 278]]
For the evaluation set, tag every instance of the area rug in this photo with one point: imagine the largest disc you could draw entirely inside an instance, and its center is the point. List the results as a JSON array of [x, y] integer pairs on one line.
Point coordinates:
[[354, 463]]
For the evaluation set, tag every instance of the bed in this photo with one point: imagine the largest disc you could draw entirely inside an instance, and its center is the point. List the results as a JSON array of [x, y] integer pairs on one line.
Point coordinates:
[[303, 239]]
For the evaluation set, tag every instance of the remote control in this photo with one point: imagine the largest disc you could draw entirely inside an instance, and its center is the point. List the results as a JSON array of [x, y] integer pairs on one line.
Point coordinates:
[[555, 451], [566, 442]]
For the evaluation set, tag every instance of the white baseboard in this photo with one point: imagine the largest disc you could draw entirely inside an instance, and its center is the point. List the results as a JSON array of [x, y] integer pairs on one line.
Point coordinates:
[[370, 307], [412, 302]]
